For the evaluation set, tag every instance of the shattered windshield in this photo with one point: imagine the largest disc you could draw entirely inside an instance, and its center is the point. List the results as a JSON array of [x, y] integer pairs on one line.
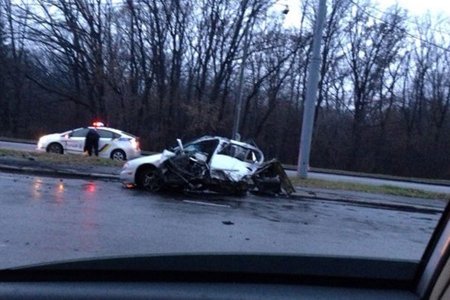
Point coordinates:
[[241, 153], [207, 146]]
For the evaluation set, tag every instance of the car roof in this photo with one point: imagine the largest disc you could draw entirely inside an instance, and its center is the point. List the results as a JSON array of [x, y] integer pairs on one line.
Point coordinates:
[[107, 128], [118, 131], [208, 137]]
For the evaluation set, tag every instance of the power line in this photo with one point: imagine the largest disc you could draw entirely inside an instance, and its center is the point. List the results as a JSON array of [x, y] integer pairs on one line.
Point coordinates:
[[403, 30]]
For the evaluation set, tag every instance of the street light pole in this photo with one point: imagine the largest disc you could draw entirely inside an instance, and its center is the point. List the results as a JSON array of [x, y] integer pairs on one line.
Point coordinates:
[[237, 111], [311, 94]]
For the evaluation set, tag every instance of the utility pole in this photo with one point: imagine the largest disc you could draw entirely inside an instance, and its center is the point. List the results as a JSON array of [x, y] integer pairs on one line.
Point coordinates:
[[237, 112], [311, 93]]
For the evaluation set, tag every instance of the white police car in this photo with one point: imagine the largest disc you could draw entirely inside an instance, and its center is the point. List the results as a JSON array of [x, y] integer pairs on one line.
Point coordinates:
[[113, 143]]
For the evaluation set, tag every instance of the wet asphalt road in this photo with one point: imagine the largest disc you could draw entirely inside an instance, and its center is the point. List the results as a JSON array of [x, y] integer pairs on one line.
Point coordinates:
[[44, 219]]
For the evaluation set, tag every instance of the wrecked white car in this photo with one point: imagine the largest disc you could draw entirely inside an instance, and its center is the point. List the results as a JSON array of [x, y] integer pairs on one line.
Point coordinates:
[[209, 163]]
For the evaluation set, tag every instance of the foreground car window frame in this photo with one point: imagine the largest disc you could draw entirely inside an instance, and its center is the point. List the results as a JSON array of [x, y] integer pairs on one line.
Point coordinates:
[[436, 257]]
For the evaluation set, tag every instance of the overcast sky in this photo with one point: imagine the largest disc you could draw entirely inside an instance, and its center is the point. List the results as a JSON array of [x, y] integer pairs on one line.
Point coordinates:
[[415, 7], [419, 7]]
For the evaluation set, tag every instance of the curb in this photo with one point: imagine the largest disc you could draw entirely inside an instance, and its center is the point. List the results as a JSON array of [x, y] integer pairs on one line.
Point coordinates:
[[57, 173]]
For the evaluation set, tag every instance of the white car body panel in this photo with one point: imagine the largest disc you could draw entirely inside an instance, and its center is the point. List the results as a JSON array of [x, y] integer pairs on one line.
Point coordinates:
[[128, 173], [235, 169]]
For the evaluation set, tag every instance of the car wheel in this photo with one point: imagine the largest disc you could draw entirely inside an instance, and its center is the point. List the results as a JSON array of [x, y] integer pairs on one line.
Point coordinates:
[[55, 148], [149, 179], [118, 155]]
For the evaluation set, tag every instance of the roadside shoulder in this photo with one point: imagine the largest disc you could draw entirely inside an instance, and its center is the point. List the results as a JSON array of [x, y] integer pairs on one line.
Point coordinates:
[[29, 164]]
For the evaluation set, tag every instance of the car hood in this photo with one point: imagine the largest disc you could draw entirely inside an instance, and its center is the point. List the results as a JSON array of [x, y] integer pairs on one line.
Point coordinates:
[[155, 159], [51, 136]]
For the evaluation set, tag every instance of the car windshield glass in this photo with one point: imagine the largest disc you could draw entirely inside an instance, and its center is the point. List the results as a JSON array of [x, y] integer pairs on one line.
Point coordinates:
[[347, 109], [207, 146]]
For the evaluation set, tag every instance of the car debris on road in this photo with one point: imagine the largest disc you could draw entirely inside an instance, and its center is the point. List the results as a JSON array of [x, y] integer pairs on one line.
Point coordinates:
[[209, 163]]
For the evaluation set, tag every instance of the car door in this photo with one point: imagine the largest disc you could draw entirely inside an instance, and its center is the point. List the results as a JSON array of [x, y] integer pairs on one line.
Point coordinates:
[[74, 141], [234, 160], [106, 139]]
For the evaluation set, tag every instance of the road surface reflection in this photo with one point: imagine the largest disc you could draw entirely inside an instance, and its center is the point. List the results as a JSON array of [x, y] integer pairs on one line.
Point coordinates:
[[90, 187], [81, 198], [59, 193], [58, 190], [36, 190]]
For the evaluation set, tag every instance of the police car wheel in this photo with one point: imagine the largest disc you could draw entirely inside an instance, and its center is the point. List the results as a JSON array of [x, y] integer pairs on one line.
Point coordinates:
[[55, 148], [118, 155]]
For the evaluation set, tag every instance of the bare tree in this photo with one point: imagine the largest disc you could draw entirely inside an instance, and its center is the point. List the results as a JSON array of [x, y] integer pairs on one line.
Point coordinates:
[[372, 49]]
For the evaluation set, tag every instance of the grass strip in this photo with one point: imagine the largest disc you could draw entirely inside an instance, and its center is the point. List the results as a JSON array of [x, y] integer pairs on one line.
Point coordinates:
[[377, 189], [66, 159]]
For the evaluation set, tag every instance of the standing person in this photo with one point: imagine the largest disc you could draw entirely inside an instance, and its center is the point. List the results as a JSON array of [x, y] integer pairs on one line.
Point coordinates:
[[92, 138]]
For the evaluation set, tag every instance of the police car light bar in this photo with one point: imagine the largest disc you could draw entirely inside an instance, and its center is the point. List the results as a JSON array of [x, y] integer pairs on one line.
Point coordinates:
[[98, 124]]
